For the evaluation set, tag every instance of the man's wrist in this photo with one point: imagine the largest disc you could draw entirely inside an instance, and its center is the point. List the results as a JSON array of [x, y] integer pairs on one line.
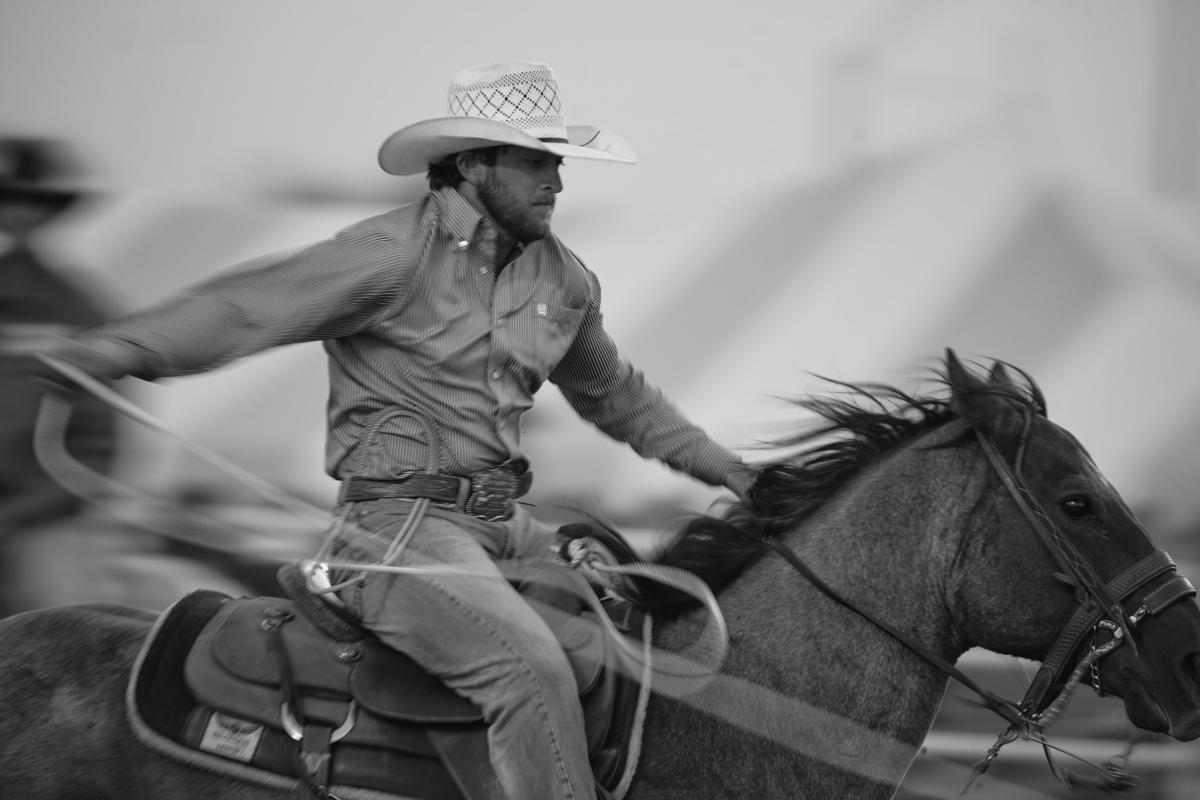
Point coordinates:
[[111, 359], [738, 479]]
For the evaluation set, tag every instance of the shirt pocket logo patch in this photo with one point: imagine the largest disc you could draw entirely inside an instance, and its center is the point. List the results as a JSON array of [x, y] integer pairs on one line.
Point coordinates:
[[564, 318]]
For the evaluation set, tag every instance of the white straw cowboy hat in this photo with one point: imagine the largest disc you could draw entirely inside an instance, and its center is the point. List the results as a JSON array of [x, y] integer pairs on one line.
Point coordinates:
[[497, 104]]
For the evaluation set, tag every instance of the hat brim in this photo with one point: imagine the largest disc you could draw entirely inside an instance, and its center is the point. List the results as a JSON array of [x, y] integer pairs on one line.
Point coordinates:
[[412, 149]]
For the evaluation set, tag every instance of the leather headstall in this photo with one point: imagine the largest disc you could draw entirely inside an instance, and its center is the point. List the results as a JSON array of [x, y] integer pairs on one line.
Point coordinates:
[[1101, 605]]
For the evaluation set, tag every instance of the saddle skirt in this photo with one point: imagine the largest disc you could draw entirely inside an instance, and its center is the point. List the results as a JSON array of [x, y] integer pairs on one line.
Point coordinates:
[[280, 690]]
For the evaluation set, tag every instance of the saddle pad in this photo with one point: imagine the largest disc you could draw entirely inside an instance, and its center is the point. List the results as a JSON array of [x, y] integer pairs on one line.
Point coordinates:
[[380, 760], [159, 697]]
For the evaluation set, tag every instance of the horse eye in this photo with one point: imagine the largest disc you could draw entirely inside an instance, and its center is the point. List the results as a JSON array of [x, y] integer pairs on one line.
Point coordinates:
[[1076, 506]]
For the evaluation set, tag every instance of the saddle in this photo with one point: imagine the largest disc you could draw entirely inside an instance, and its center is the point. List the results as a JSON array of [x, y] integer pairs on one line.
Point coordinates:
[[280, 690]]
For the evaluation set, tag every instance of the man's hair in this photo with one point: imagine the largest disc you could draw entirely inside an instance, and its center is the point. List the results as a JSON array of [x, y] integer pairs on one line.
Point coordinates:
[[445, 173]]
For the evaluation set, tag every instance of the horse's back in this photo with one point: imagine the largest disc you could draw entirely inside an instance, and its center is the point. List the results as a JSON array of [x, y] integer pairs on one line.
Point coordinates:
[[64, 734], [71, 640], [62, 673]]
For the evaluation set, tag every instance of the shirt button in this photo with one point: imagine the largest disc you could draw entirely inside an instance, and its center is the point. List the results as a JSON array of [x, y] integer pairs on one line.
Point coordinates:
[[495, 374], [463, 244]]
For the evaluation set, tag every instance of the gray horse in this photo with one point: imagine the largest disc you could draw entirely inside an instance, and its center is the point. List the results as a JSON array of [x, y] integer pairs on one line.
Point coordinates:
[[931, 525]]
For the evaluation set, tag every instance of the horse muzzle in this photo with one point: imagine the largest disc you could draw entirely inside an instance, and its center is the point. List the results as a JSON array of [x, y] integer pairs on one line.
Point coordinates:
[[1162, 697]]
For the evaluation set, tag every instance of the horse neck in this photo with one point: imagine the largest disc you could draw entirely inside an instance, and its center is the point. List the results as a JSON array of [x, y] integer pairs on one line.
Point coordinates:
[[890, 542], [886, 542]]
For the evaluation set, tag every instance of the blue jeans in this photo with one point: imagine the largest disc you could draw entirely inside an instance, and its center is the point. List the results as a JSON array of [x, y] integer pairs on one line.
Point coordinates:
[[475, 632]]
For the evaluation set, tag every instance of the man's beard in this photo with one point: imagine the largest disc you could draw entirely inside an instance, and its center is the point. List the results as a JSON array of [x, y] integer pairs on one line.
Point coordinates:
[[510, 214]]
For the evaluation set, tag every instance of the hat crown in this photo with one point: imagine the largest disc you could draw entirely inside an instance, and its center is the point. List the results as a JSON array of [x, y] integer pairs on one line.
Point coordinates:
[[524, 95], [515, 104]]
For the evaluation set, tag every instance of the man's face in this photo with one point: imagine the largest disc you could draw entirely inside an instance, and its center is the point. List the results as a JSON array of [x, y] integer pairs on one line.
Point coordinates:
[[519, 191]]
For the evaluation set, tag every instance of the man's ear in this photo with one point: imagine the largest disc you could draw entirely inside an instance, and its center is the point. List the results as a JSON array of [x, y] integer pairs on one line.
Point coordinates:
[[471, 167]]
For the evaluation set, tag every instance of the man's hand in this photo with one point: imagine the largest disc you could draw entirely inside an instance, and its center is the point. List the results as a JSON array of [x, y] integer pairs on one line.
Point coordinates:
[[738, 479], [99, 360]]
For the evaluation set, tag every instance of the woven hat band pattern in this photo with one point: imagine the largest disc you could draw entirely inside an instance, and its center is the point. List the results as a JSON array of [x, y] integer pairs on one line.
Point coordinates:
[[526, 99]]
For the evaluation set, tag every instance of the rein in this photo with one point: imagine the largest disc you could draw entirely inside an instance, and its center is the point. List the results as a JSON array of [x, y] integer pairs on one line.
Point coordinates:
[[1004, 708], [1096, 599]]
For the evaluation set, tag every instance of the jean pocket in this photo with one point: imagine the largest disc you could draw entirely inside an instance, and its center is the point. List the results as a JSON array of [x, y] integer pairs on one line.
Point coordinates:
[[369, 533]]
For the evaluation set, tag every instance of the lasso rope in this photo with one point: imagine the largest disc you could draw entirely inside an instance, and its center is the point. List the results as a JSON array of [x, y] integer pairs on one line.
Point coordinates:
[[677, 671], [56, 408]]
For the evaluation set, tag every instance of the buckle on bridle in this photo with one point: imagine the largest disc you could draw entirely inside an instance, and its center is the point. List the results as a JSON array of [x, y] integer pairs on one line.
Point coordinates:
[[1116, 633]]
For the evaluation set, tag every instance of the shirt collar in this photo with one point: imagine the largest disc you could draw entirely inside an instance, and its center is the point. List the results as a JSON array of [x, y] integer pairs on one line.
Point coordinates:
[[458, 217], [464, 223]]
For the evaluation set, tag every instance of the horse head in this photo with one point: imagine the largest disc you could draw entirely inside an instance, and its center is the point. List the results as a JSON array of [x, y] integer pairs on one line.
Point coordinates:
[[1102, 603]]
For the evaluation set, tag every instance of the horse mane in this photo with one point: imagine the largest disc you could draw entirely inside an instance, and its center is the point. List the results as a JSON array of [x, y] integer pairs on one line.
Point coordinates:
[[854, 427]]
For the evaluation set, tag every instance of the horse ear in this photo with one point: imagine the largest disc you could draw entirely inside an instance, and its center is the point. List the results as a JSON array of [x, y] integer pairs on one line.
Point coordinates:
[[963, 383], [973, 398], [959, 378], [999, 375]]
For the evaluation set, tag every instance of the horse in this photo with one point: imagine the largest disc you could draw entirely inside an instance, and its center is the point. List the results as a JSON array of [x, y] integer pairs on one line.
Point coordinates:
[[899, 532]]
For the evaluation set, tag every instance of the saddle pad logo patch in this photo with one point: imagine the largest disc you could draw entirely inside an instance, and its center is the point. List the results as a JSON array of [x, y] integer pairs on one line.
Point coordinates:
[[231, 737]]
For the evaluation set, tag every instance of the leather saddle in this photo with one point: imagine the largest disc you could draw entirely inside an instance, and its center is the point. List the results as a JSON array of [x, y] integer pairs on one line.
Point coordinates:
[[288, 689]]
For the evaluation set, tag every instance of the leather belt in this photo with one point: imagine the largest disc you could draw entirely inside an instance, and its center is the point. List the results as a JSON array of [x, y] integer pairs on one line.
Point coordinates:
[[487, 494]]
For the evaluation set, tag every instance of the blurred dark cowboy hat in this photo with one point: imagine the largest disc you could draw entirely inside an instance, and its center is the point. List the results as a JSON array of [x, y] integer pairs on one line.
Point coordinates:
[[37, 170], [498, 104]]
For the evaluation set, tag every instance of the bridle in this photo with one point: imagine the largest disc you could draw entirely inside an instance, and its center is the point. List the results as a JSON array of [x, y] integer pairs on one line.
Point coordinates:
[[1149, 586], [1101, 606]]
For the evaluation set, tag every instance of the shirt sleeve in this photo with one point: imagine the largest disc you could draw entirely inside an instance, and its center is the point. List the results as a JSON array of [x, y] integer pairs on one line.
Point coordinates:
[[328, 290], [608, 391]]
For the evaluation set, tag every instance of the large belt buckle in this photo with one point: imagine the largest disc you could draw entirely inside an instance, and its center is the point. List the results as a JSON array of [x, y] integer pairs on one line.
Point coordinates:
[[492, 492]]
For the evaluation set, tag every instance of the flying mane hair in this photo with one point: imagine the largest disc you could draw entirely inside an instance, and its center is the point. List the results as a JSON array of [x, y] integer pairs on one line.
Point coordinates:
[[855, 426]]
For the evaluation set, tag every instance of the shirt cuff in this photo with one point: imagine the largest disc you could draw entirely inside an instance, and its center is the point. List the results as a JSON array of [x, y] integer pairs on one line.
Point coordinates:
[[712, 463]]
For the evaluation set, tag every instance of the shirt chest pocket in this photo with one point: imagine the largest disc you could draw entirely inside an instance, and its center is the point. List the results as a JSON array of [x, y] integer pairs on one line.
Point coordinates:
[[549, 331]]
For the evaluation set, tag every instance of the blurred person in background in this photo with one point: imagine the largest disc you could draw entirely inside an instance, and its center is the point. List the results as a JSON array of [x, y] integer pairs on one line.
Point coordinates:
[[40, 302], [441, 319]]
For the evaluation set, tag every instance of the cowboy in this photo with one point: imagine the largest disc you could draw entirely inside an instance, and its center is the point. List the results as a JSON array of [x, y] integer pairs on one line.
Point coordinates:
[[39, 302], [441, 319]]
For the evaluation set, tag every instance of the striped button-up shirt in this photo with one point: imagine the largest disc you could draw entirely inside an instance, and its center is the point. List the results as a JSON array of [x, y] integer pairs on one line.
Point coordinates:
[[433, 355]]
